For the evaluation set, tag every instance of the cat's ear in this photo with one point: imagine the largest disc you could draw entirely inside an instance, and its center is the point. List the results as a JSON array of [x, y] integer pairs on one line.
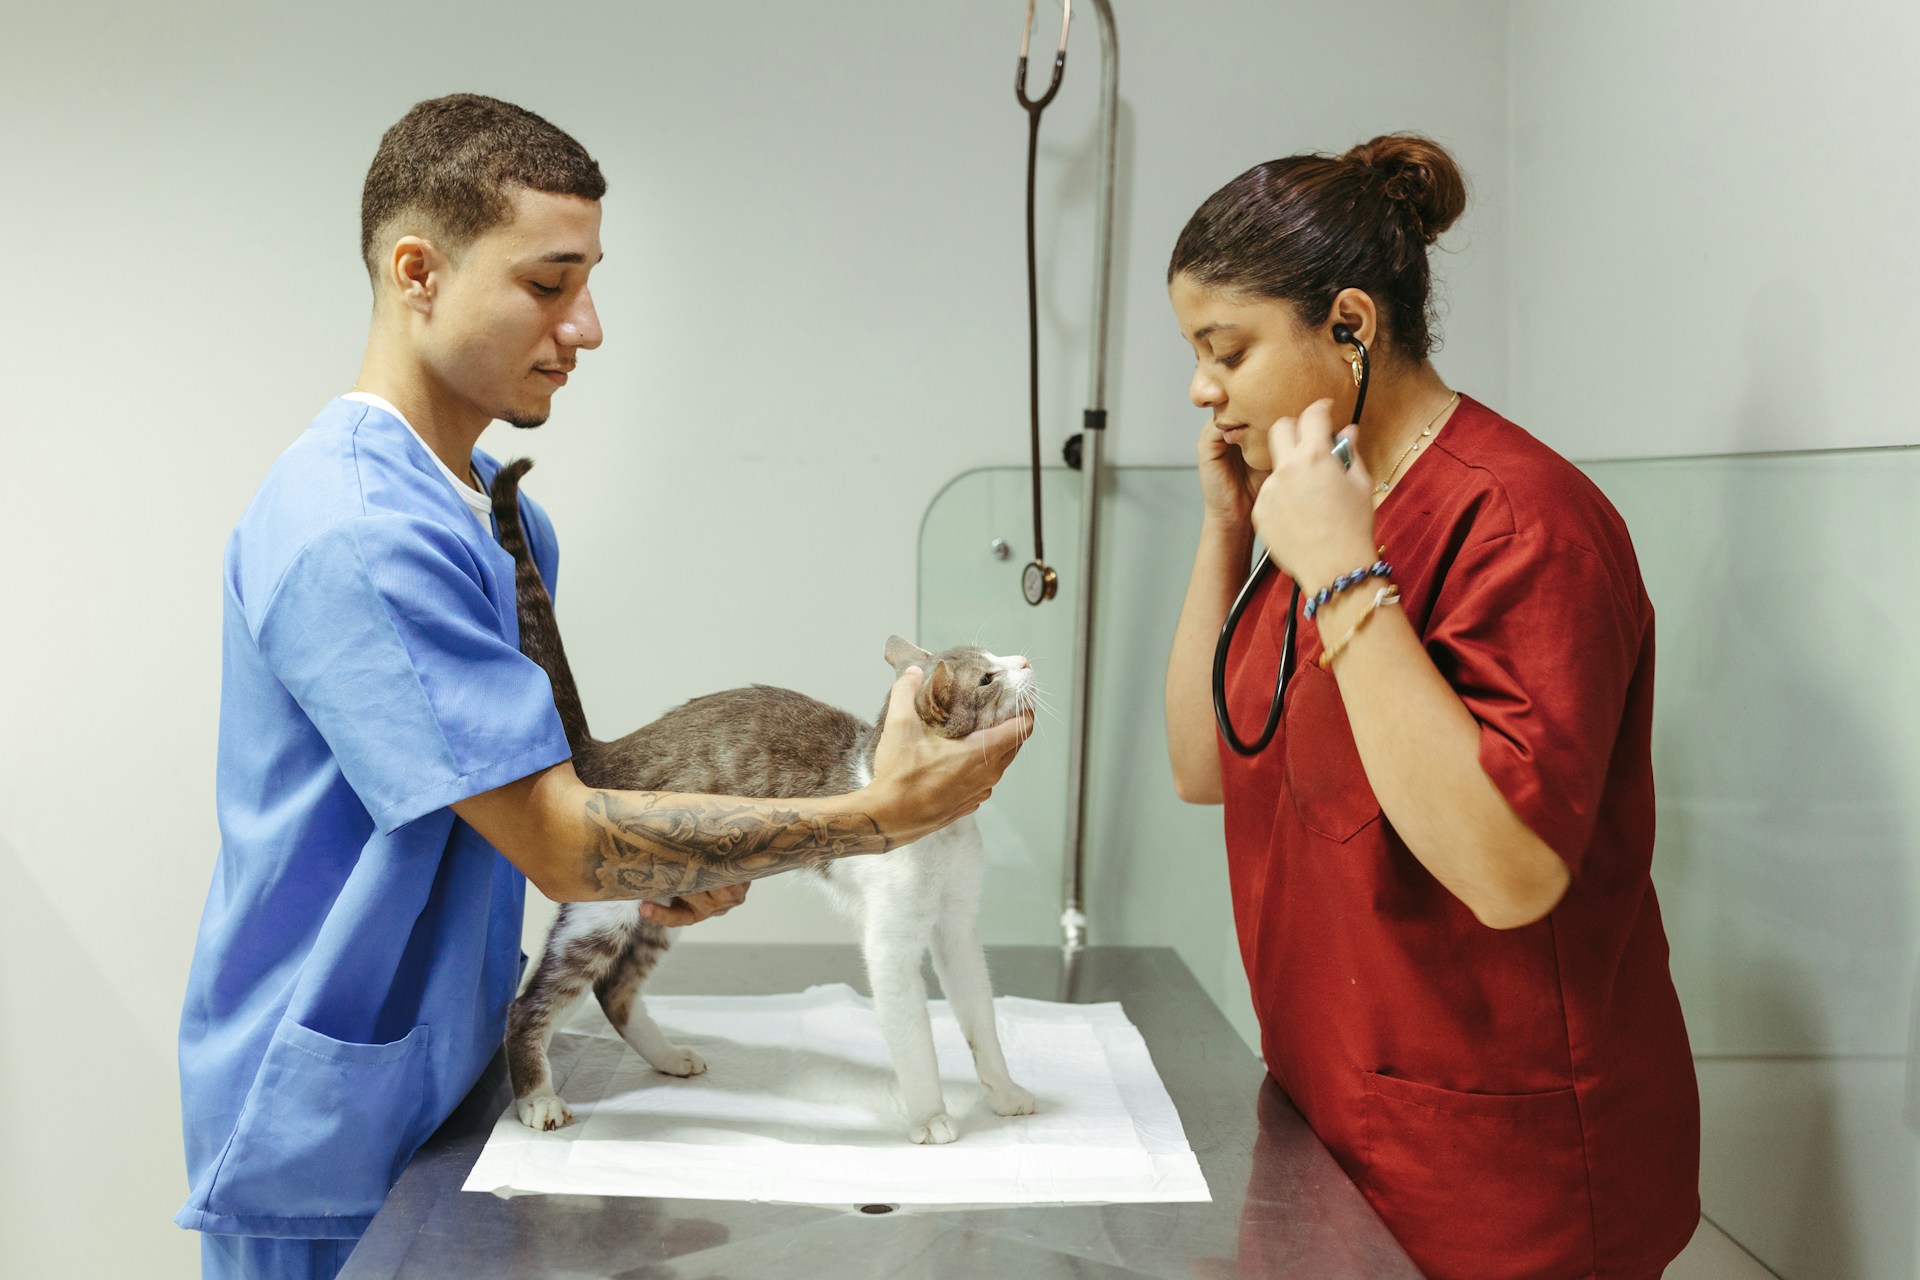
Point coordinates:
[[903, 653], [936, 695]]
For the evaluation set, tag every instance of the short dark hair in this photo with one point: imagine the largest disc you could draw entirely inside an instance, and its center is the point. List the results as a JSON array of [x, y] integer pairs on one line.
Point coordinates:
[[1301, 229], [453, 162]]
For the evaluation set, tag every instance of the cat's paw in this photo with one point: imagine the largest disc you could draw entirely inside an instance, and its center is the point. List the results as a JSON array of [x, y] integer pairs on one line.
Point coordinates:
[[1010, 1099], [939, 1129], [543, 1111], [681, 1062]]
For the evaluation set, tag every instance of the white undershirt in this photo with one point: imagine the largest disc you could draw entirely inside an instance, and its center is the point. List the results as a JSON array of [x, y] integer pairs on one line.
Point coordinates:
[[477, 502]]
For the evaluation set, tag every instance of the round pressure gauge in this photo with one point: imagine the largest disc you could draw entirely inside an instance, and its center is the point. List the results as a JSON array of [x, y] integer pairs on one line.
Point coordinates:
[[1038, 583]]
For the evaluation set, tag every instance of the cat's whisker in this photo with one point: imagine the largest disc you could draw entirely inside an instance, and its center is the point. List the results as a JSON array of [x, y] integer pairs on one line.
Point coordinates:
[[1037, 703], [1040, 702]]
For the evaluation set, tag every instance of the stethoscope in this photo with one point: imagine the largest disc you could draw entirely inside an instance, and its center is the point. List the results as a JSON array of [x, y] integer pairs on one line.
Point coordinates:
[[1038, 581], [1343, 450]]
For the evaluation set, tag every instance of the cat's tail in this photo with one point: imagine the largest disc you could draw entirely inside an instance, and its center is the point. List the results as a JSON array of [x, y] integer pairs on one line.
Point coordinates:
[[539, 630]]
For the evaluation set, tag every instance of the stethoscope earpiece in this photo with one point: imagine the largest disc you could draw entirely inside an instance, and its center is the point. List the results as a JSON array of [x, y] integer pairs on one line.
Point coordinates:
[[1362, 367]]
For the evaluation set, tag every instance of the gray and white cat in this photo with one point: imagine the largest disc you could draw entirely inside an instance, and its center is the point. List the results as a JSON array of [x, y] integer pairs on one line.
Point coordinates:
[[774, 743]]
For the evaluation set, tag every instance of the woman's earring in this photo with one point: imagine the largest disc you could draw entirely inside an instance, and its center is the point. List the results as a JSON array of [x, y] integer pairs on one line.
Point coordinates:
[[1355, 361]]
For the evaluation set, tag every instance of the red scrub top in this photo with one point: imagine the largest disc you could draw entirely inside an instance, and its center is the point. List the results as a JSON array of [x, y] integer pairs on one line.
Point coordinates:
[[1513, 1103]]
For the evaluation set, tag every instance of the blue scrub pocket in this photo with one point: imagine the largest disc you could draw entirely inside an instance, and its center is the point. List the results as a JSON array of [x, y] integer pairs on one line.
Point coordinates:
[[328, 1127]]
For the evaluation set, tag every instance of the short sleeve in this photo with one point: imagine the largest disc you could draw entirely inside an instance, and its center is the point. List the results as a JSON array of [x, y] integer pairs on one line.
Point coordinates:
[[1542, 639], [381, 631]]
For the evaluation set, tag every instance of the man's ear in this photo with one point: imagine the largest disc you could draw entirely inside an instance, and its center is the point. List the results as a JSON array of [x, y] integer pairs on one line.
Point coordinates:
[[413, 269], [936, 695], [903, 653]]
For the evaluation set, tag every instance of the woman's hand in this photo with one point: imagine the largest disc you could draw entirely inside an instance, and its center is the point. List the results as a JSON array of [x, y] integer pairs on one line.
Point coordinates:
[[1315, 515], [1227, 485]]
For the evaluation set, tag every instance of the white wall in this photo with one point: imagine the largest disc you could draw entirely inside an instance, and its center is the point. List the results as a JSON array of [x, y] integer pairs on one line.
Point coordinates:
[[812, 297], [1713, 213]]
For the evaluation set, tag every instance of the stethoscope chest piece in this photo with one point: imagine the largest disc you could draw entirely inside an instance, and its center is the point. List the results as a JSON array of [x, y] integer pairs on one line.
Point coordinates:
[[1038, 583]]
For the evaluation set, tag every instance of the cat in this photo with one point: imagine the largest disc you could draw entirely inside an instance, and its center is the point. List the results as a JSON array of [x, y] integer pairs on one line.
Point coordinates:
[[771, 743]]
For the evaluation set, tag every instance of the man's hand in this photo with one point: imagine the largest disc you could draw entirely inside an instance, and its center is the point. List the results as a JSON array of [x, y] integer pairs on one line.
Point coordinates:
[[692, 908], [923, 781], [695, 853]]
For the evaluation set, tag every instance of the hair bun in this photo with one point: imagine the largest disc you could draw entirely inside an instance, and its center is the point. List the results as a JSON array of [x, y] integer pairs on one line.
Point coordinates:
[[1419, 174]]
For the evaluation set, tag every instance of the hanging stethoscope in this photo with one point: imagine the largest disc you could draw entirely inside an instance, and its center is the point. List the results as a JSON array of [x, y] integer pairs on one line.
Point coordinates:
[[1038, 581], [1343, 450]]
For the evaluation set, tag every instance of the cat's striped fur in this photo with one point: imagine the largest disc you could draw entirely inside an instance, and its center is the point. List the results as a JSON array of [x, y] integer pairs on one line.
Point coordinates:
[[774, 743]]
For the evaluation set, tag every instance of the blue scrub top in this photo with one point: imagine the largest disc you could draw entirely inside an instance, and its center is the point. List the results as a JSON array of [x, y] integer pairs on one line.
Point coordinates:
[[360, 944]]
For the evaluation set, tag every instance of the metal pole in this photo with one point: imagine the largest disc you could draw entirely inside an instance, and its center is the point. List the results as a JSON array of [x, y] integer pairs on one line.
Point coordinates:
[[1073, 916]]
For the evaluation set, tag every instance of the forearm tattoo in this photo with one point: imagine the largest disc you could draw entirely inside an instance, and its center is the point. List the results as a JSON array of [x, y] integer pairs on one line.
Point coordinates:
[[661, 846]]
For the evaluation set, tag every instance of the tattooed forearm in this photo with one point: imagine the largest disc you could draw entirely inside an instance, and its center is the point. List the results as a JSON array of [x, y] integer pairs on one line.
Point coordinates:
[[660, 846]]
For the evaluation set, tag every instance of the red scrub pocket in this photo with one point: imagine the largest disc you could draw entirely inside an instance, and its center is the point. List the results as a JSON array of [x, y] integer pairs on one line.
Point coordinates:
[[1324, 774], [1479, 1186]]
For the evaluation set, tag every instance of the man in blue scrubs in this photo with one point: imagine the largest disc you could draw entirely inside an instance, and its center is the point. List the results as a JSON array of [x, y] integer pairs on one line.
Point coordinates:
[[391, 768]]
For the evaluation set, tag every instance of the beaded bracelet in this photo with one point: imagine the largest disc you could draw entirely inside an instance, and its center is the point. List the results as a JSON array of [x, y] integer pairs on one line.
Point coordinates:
[[1387, 595], [1378, 569]]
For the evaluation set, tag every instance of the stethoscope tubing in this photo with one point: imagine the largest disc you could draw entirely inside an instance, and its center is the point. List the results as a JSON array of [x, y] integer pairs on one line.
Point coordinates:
[[1220, 652], [1260, 573]]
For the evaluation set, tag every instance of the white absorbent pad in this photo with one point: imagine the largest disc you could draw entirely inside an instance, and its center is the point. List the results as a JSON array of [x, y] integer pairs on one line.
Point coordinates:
[[798, 1105]]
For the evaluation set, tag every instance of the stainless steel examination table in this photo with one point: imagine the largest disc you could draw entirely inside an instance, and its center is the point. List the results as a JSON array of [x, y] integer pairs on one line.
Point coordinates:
[[1281, 1206]]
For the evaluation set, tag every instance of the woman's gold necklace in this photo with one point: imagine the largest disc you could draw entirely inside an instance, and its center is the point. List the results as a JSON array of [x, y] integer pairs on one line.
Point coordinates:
[[1405, 453]]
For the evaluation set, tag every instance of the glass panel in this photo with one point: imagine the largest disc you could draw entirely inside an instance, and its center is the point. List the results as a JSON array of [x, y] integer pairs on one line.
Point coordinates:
[[1787, 752], [1156, 868], [1787, 747], [970, 596]]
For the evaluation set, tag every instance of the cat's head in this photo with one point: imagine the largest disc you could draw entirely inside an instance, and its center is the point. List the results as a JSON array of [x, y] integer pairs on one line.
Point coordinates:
[[965, 688]]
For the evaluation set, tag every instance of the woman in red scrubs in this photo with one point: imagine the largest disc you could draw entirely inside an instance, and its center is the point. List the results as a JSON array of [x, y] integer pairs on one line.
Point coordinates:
[[1440, 864]]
